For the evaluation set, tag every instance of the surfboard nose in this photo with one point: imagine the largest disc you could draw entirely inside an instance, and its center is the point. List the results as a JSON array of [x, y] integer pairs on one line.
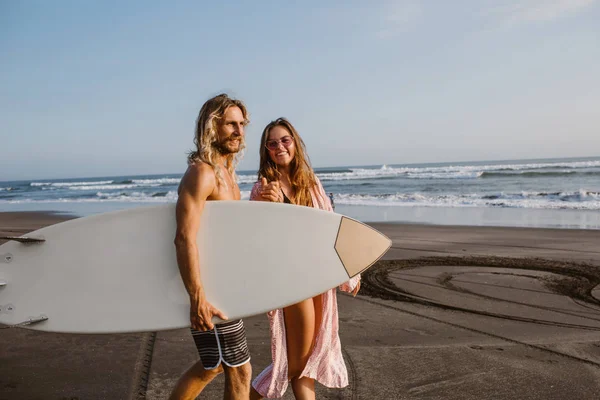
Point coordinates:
[[359, 246]]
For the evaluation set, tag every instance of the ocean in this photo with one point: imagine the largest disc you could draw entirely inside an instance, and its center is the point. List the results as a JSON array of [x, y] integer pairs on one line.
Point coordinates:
[[558, 193]]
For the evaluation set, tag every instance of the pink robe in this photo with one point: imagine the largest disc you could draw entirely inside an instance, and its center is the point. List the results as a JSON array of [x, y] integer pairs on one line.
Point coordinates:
[[326, 363]]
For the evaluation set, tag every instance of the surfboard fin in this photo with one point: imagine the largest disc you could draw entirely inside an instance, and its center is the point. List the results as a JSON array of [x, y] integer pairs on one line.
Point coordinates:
[[23, 239], [30, 321]]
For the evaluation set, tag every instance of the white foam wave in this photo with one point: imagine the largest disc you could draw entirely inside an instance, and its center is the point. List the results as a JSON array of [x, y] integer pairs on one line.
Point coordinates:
[[113, 187], [170, 196], [103, 185], [447, 172], [578, 200], [361, 173], [133, 197], [247, 178], [68, 184], [156, 182]]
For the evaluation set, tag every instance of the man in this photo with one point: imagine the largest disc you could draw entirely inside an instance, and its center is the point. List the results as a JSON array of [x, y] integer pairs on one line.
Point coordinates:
[[331, 200], [211, 176]]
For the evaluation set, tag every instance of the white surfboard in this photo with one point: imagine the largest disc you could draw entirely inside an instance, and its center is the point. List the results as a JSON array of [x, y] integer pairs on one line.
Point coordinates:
[[117, 272]]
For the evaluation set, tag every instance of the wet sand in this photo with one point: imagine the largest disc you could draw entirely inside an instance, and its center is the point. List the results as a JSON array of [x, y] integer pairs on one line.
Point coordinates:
[[19, 223], [450, 313]]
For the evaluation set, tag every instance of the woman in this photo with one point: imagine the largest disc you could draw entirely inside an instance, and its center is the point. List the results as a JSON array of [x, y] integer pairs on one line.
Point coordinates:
[[305, 344]]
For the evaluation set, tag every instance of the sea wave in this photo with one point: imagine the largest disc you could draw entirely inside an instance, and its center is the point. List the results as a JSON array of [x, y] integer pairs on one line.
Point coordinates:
[[538, 174], [156, 182], [129, 197], [137, 196], [332, 170], [67, 184], [460, 171], [577, 200], [106, 184], [247, 178], [114, 187]]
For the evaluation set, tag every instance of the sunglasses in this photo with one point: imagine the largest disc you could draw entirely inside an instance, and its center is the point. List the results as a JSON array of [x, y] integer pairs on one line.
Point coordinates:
[[286, 141]]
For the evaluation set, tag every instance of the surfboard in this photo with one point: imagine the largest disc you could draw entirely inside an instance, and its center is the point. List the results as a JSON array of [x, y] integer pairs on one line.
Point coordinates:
[[117, 272]]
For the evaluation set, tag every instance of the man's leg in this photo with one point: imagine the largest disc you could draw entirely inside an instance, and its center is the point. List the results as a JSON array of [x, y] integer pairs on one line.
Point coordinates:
[[254, 395], [237, 382], [193, 381]]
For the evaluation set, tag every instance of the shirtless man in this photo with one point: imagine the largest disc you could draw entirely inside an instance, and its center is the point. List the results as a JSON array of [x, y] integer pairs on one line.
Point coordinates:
[[211, 176]]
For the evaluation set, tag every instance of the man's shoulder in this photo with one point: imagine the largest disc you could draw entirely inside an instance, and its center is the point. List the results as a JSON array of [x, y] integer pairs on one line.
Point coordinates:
[[201, 169], [199, 173]]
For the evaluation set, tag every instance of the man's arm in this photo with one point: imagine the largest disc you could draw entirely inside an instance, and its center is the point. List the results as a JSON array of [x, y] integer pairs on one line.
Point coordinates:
[[196, 186]]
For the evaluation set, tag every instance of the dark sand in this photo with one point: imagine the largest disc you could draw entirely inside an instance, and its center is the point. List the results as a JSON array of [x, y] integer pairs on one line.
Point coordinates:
[[19, 223], [450, 313]]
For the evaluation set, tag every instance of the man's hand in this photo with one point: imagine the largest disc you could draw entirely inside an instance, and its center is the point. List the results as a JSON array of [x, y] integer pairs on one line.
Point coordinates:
[[202, 313], [270, 191]]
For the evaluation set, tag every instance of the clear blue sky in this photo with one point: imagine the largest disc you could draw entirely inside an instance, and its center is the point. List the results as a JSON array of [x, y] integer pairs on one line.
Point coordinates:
[[113, 88]]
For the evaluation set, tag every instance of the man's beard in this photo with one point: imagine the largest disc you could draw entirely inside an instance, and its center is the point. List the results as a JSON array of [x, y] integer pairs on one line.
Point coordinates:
[[221, 147]]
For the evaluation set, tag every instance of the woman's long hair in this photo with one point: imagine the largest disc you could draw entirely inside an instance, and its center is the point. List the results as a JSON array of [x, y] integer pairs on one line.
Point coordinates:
[[206, 138], [302, 176]]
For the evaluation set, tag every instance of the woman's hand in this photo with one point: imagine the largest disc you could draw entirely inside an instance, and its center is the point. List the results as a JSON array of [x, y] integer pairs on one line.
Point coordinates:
[[270, 191]]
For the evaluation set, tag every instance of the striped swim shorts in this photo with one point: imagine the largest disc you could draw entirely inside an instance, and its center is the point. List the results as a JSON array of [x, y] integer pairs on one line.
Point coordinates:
[[231, 347]]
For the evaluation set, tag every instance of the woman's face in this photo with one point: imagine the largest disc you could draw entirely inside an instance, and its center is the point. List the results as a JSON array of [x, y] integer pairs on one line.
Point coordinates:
[[280, 145]]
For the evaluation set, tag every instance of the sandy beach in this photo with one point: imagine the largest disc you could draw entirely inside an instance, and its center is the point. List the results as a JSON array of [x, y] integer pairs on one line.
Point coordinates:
[[451, 312]]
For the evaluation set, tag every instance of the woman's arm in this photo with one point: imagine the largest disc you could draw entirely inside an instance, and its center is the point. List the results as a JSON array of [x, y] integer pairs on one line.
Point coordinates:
[[263, 191], [352, 286]]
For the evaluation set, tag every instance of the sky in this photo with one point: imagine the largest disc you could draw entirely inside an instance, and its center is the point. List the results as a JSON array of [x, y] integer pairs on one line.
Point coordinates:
[[114, 88]]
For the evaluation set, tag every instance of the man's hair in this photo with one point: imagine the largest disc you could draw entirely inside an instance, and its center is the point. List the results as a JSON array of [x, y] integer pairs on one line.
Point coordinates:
[[206, 138], [302, 176]]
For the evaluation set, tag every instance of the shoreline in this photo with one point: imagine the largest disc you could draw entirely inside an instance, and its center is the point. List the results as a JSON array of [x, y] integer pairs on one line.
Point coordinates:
[[422, 215], [454, 218], [476, 216]]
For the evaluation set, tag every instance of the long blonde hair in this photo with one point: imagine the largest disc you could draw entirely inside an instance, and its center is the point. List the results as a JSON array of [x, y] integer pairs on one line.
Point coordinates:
[[206, 138], [302, 177]]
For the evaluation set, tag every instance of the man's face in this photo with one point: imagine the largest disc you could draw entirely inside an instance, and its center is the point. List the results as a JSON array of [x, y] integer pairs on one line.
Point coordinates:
[[230, 131]]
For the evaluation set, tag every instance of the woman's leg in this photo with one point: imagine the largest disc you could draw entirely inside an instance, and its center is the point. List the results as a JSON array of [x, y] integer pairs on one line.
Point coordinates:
[[302, 322], [304, 388]]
